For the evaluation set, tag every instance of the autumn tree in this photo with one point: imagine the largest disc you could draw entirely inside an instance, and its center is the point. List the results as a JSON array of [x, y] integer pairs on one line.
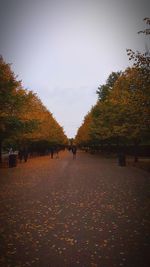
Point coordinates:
[[83, 133], [48, 129], [12, 101], [124, 117], [23, 117], [122, 113], [132, 91]]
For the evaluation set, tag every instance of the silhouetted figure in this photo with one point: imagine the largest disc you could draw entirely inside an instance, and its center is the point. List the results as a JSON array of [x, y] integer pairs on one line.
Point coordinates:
[[20, 155], [57, 152], [52, 152], [69, 148], [12, 160], [74, 151], [11, 151], [25, 154]]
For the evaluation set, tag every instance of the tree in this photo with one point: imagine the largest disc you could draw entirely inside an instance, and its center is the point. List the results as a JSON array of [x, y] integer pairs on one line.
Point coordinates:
[[105, 89], [141, 60], [83, 134], [122, 113], [23, 117], [12, 100], [48, 129], [133, 91], [124, 117]]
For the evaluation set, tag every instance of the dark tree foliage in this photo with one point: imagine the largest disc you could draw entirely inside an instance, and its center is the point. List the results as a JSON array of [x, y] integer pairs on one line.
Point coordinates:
[[105, 89]]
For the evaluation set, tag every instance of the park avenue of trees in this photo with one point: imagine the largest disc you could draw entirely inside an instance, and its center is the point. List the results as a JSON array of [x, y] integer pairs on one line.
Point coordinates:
[[121, 116], [84, 210]]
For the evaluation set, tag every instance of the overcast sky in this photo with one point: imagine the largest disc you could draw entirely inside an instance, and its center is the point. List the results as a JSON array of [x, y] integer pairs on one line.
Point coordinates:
[[63, 50]]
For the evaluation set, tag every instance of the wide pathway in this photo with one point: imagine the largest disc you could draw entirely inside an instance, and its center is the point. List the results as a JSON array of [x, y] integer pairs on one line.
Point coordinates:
[[87, 212]]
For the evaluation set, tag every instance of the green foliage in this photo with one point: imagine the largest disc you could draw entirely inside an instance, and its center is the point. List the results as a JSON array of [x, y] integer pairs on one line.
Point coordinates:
[[105, 89]]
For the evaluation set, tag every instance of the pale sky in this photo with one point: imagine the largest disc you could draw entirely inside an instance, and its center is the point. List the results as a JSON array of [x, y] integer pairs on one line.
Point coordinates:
[[63, 50]]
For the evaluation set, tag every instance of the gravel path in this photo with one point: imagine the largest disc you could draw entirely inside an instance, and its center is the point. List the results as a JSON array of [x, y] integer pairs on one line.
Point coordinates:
[[86, 212]]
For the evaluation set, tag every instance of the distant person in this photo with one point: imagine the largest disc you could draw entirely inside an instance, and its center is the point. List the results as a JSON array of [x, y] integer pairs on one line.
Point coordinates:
[[25, 154], [74, 151], [52, 152], [20, 155], [69, 148], [57, 152], [10, 151]]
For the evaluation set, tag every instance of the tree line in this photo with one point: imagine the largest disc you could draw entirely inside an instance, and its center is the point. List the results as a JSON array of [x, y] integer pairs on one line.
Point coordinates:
[[121, 116], [24, 120]]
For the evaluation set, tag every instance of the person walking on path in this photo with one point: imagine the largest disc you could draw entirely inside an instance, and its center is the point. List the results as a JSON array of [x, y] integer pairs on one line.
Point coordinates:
[[25, 154], [74, 151], [52, 152], [57, 152], [20, 154]]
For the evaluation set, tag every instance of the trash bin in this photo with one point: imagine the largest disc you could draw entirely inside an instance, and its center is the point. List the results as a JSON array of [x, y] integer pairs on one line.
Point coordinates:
[[12, 160], [121, 159]]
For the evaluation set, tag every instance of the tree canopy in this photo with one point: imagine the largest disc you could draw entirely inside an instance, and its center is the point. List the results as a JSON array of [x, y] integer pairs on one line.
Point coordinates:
[[23, 117], [122, 112]]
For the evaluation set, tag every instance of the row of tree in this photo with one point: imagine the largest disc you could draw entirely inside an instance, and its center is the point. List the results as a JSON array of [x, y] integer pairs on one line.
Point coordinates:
[[121, 115], [23, 118]]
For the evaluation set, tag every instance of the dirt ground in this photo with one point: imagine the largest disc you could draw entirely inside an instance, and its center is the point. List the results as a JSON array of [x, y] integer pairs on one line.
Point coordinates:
[[66, 212]]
